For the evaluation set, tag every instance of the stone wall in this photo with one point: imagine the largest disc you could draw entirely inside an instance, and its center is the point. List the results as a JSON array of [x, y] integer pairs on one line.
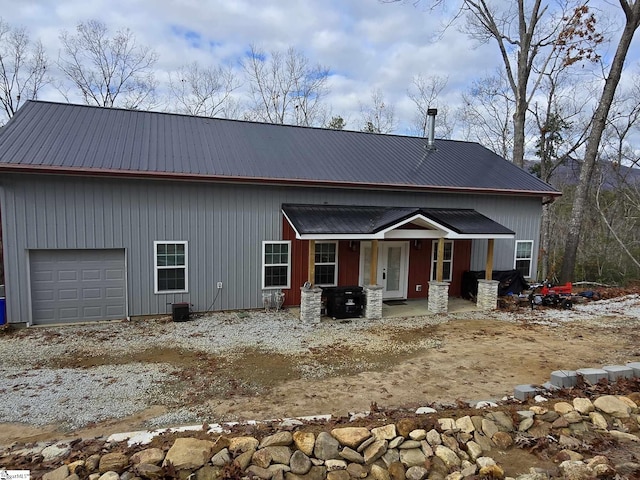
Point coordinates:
[[418, 447], [438, 297], [487, 295]]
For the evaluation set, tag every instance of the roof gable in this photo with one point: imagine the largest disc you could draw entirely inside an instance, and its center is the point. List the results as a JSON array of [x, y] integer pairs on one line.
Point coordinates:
[[66, 138]]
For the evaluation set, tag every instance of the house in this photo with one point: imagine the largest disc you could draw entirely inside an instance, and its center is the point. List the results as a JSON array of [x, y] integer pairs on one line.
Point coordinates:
[[112, 213]]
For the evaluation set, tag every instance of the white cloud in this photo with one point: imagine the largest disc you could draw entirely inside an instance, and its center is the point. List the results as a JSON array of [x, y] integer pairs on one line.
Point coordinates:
[[366, 44]]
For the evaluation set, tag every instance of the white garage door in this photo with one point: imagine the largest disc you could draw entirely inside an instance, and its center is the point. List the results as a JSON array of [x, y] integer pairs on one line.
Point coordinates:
[[77, 285]]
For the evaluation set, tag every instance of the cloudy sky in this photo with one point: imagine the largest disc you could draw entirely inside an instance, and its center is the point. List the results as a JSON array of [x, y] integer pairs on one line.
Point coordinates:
[[366, 44]]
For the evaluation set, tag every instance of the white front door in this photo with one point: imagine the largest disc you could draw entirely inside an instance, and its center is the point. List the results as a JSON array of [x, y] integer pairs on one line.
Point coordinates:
[[393, 267]]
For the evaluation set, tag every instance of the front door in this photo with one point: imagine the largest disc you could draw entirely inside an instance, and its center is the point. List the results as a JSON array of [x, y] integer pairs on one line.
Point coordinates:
[[393, 267]]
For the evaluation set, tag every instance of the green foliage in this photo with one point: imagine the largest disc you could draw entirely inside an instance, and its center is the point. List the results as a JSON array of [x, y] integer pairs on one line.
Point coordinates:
[[337, 123]]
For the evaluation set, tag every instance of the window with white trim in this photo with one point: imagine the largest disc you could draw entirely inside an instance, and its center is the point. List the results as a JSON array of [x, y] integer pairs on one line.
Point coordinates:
[[326, 264], [447, 260], [523, 257], [170, 267], [276, 264]]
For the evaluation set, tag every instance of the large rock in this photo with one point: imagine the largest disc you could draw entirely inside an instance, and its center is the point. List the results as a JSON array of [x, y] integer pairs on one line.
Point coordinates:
[[375, 451], [434, 438], [613, 406], [575, 470], [583, 405], [300, 463], [277, 440], [151, 456], [242, 444], [386, 432], [502, 419], [351, 437], [110, 475], [259, 472], [474, 450], [207, 472], [448, 456], [502, 440], [261, 458], [598, 420], [113, 462], [405, 426], [465, 424], [416, 473], [326, 447], [397, 471], [412, 457], [563, 407], [357, 470], [188, 453], [279, 454], [222, 458], [624, 437], [55, 451], [379, 473], [351, 455], [149, 471], [304, 441], [59, 473], [489, 427], [316, 473], [338, 475]]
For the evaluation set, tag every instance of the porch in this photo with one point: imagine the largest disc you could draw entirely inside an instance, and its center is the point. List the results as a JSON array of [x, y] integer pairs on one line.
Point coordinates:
[[400, 256]]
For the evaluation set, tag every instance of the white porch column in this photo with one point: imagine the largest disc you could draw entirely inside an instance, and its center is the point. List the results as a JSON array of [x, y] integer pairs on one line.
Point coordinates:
[[438, 297], [310, 304], [487, 295], [373, 305]]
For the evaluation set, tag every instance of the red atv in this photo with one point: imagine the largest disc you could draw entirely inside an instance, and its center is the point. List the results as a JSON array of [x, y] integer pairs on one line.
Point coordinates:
[[550, 295]]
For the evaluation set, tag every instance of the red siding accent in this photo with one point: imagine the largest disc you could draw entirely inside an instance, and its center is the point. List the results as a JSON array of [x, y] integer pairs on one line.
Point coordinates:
[[461, 263], [419, 268], [348, 263]]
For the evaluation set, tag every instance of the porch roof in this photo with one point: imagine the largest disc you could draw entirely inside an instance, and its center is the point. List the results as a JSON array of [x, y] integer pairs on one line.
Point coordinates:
[[359, 222]]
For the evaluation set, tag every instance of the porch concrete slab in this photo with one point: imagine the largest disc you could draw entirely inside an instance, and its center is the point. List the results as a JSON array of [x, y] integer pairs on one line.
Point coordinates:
[[593, 375], [525, 392], [618, 371], [636, 368], [564, 378]]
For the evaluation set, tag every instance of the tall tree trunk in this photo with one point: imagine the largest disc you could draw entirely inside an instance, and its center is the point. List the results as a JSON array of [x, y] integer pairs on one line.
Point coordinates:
[[632, 14]]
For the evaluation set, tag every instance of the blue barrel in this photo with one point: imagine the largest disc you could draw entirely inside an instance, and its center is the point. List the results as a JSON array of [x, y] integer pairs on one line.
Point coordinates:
[[3, 313]]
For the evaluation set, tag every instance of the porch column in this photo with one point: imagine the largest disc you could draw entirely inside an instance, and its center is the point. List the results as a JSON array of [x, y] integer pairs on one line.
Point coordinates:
[[373, 271], [438, 297], [311, 276], [487, 295], [440, 261], [310, 304], [438, 301], [488, 288], [373, 305], [489, 265]]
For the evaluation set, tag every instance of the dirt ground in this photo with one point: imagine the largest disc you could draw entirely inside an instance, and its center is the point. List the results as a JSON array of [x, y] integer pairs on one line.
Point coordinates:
[[474, 359]]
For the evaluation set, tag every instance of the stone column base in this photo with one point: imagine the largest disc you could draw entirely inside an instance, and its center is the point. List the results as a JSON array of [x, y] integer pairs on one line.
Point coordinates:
[[310, 304], [438, 297], [373, 305], [487, 295]]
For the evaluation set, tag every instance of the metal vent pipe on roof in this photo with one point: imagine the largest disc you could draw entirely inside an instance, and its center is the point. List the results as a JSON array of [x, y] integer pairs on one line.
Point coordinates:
[[431, 113]]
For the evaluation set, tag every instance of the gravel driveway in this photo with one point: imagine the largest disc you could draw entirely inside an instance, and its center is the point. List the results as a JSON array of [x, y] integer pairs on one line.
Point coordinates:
[[74, 376]]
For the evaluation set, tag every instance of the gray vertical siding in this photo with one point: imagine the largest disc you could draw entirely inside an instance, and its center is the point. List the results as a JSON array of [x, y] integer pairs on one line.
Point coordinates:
[[224, 224]]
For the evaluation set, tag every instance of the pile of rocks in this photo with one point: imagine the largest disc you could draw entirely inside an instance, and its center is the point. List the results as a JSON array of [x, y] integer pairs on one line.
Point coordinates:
[[413, 448]]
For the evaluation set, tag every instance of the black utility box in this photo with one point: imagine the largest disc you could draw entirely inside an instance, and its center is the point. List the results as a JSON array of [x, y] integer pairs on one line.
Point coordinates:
[[344, 302], [180, 311]]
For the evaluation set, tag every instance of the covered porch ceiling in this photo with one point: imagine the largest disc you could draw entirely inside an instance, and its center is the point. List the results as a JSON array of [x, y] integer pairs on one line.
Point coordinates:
[[355, 222]]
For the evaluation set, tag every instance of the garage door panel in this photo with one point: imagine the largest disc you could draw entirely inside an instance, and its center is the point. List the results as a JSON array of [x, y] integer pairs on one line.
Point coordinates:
[[77, 285]]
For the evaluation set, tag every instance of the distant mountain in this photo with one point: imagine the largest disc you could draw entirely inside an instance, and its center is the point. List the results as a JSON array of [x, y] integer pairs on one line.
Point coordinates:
[[569, 173]]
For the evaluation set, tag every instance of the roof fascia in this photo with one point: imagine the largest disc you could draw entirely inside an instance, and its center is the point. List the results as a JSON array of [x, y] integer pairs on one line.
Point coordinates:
[[189, 177]]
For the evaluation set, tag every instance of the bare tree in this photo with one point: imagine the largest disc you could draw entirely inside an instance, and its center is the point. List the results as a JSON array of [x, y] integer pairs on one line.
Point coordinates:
[[631, 11], [285, 87], [377, 116], [23, 68], [424, 92], [486, 114], [204, 91], [108, 71]]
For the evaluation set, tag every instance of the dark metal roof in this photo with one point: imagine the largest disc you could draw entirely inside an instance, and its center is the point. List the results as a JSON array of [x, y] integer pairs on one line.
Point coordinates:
[[358, 220], [65, 138]]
